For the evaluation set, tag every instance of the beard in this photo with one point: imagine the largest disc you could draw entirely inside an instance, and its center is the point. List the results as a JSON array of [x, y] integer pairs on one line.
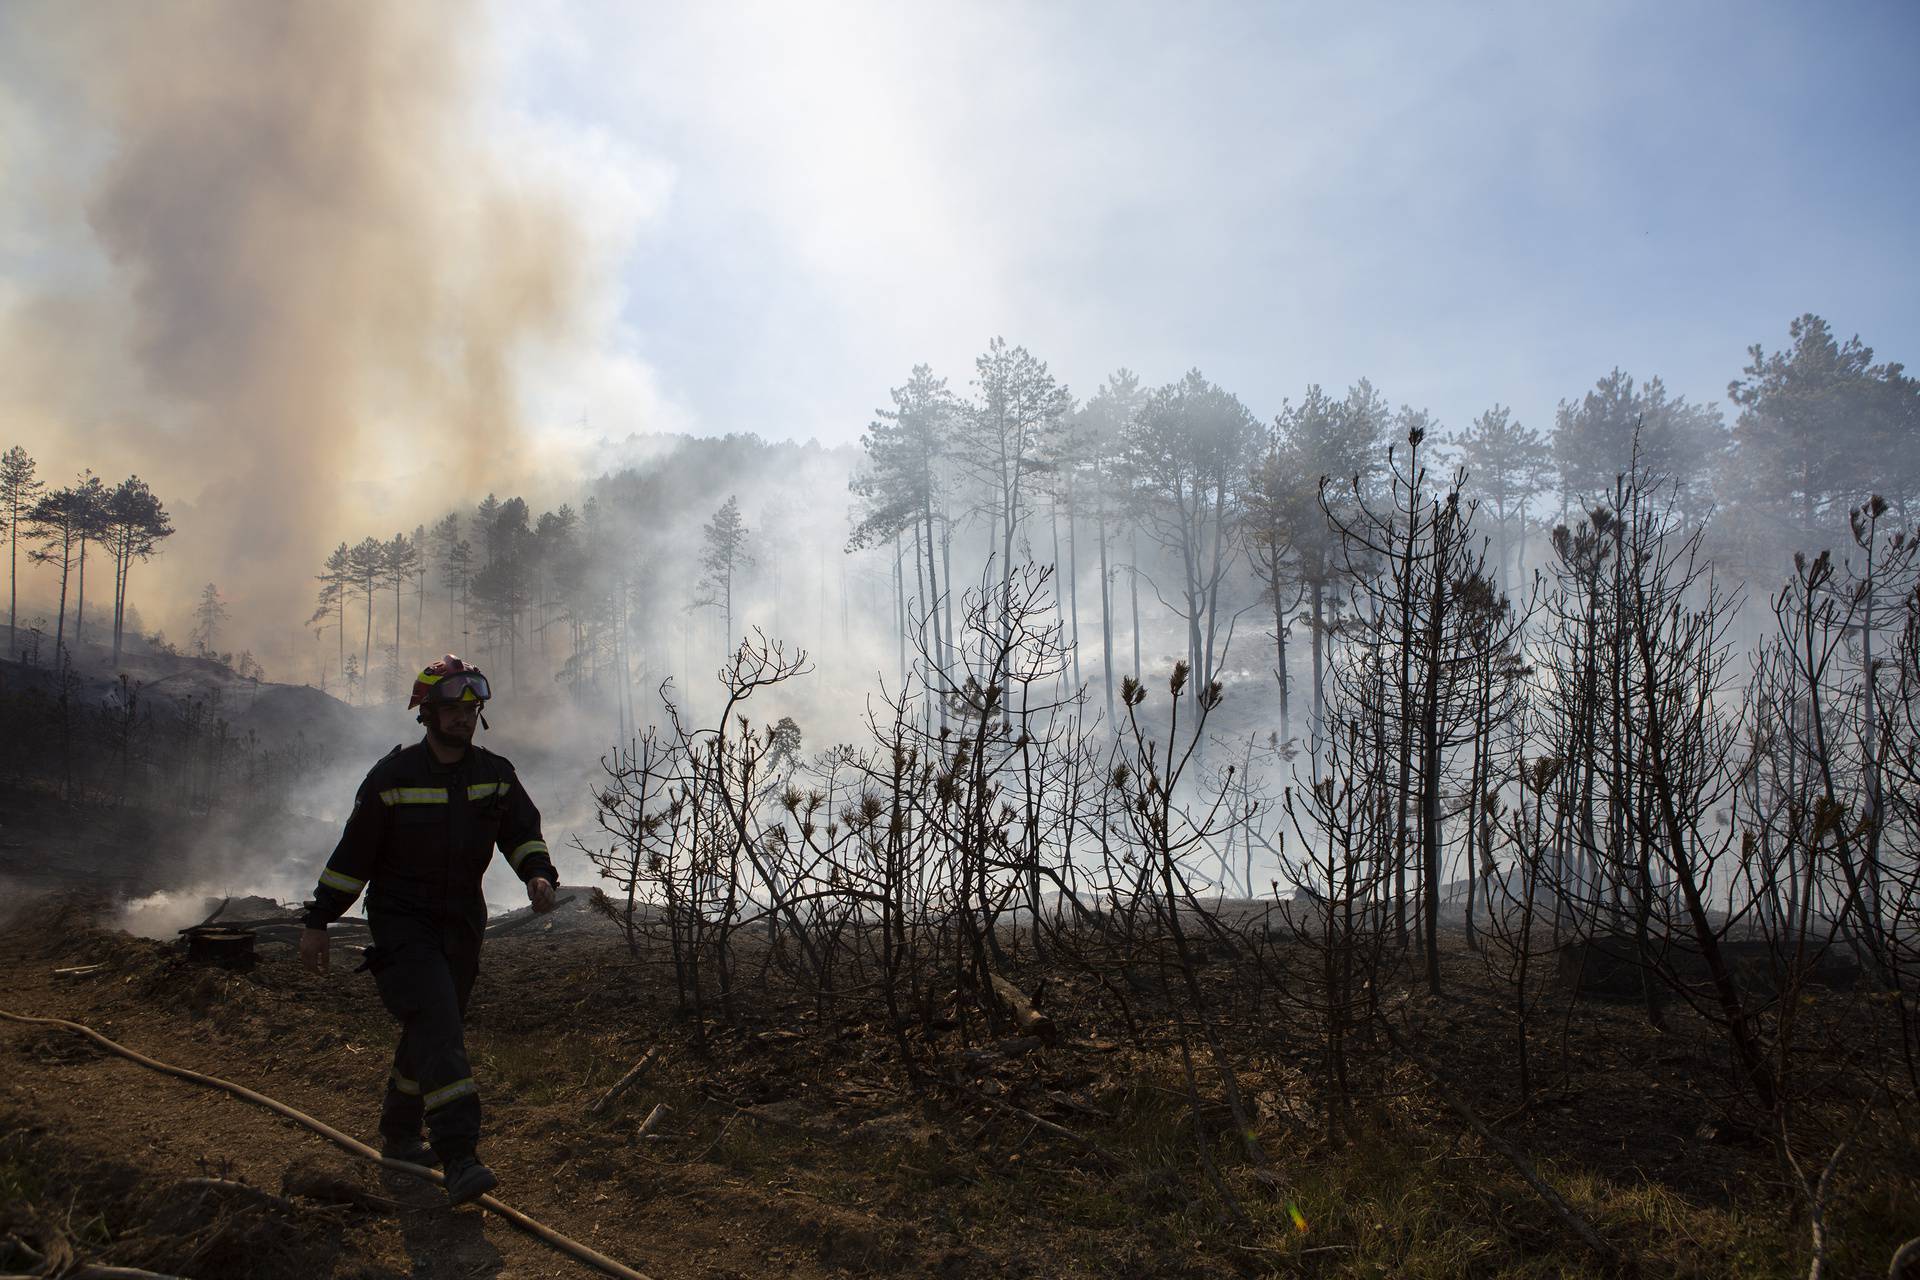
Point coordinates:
[[458, 737]]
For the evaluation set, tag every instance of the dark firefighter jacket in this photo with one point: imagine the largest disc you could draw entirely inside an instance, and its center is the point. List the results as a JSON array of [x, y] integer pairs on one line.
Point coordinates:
[[422, 833]]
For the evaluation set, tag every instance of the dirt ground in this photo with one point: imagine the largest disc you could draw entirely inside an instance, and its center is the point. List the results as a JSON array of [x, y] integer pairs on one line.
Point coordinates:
[[797, 1148], [114, 1144]]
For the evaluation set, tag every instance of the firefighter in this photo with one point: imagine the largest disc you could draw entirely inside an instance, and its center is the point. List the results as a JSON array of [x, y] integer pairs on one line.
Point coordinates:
[[424, 826]]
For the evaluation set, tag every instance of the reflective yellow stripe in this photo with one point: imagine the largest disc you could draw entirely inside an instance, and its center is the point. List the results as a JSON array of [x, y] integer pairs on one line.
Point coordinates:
[[403, 1085], [346, 884], [447, 1093], [519, 855], [414, 795], [481, 790]]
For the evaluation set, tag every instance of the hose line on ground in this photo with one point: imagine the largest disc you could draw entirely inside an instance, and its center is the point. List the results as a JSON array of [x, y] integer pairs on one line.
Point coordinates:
[[545, 1234]]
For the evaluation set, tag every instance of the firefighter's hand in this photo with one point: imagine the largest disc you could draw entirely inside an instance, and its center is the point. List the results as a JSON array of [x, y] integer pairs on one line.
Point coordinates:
[[540, 894], [313, 949]]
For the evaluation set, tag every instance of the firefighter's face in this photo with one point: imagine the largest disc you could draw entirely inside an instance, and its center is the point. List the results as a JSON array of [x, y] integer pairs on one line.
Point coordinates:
[[453, 721]]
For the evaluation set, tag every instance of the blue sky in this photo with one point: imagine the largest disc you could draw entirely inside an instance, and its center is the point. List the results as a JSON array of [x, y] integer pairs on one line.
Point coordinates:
[[1467, 204]]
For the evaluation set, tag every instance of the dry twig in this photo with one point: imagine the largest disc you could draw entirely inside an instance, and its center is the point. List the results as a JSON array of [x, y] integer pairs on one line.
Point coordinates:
[[626, 1081]]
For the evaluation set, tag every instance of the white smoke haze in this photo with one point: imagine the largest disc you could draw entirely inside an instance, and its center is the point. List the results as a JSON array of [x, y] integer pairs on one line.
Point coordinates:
[[327, 271], [165, 913], [287, 269]]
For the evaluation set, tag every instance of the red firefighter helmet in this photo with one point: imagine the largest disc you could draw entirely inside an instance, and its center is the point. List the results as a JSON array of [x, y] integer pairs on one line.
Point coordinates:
[[449, 680]]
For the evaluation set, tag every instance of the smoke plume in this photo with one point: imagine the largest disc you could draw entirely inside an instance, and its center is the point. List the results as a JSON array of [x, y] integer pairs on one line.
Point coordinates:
[[282, 269]]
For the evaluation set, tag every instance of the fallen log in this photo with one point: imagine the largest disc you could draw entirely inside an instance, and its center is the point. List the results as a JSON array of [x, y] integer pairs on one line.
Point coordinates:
[[1028, 1019]]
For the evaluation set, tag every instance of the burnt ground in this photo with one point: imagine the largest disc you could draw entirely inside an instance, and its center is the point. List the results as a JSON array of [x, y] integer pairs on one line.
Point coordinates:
[[796, 1145]]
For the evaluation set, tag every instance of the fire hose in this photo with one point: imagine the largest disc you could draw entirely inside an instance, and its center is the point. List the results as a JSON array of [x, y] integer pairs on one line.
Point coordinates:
[[545, 1234]]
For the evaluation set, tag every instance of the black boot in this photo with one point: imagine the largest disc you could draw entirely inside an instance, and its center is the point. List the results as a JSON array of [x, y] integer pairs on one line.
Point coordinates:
[[467, 1180]]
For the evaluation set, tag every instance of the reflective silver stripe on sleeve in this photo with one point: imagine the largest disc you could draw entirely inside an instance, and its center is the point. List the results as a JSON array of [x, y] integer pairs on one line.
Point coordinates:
[[519, 855], [447, 1093], [414, 795], [346, 884]]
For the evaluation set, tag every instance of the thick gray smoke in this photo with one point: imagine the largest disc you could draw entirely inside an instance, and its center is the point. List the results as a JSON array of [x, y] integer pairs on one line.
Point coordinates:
[[279, 272]]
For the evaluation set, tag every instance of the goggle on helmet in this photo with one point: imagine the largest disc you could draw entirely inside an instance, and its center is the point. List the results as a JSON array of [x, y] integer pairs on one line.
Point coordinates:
[[449, 680]]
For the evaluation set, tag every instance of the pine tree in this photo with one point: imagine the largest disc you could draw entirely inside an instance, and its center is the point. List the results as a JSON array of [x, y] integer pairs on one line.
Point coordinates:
[[903, 486], [336, 579], [1338, 442], [1187, 453], [1821, 427], [485, 517], [1008, 434], [723, 557], [1273, 516], [208, 617], [90, 497], [400, 559], [1509, 464], [1678, 443], [502, 588], [55, 523], [452, 558], [558, 567], [135, 525], [19, 492], [1099, 434], [422, 565], [366, 571]]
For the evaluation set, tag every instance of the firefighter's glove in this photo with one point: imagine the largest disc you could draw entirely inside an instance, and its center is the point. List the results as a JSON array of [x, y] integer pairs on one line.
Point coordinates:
[[313, 949], [540, 894]]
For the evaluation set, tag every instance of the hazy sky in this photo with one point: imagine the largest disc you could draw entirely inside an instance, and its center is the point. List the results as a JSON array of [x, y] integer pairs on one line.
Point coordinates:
[[325, 269], [1468, 204]]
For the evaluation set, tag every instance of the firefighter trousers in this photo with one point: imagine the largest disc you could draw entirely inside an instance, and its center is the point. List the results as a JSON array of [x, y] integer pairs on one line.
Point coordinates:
[[425, 971]]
